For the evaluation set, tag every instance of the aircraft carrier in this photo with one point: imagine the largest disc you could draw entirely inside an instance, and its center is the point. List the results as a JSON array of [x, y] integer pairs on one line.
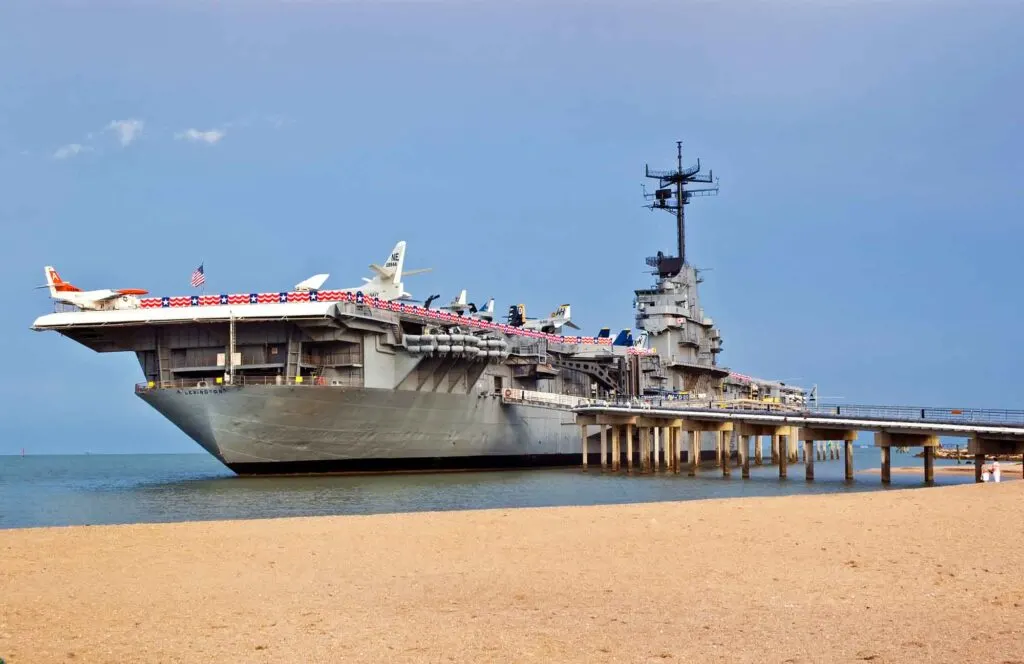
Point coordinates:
[[313, 380]]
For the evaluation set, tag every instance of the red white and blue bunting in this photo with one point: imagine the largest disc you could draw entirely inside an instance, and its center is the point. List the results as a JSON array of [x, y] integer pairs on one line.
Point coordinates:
[[443, 317]]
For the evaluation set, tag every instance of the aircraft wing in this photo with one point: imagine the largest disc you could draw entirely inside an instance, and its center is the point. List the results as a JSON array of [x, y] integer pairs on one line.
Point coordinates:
[[100, 295], [571, 324], [420, 270]]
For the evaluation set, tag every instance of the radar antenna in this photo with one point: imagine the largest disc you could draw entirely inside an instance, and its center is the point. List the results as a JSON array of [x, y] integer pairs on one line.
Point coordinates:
[[662, 199]]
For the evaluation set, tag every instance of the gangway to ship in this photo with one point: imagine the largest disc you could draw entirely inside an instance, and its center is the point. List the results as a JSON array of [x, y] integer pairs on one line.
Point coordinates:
[[940, 421], [991, 432]]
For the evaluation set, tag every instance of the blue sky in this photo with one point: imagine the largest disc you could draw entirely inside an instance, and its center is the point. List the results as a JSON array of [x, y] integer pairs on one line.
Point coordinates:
[[866, 238]]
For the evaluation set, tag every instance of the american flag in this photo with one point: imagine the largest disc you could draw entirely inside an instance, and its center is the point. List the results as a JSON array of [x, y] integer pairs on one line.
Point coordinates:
[[198, 278]]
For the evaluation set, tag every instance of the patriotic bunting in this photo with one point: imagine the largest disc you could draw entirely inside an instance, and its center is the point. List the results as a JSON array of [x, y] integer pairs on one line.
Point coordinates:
[[358, 298]]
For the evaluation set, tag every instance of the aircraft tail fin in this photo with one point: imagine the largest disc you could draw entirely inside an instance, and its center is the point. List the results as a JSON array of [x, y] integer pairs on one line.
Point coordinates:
[[313, 283], [624, 338], [395, 263], [517, 315], [563, 315], [604, 333], [392, 270], [56, 284]]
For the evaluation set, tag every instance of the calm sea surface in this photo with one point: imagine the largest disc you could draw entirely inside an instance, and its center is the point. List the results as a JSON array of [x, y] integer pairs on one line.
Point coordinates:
[[108, 489]]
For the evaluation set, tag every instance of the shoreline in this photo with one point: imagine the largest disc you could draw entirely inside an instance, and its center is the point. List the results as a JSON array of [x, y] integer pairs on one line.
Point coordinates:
[[748, 580], [1008, 471]]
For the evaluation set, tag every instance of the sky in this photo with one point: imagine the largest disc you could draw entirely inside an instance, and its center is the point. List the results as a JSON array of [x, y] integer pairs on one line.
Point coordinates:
[[866, 237]]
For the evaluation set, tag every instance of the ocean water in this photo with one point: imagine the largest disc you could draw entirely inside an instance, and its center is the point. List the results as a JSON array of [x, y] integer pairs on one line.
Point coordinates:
[[146, 488]]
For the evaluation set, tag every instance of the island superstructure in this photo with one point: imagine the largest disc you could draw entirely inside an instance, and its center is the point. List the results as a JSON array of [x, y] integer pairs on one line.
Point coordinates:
[[316, 379]]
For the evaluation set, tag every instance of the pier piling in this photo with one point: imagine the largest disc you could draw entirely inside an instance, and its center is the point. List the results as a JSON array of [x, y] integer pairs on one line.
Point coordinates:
[[616, 448], [695, 453], [783, 455], [887, 440], [677, 437], [645, 455], [758, 451], [657, 449], [604, 448], [629, 449], [745, 456], [818, 441], [583, 439], [723, 439], [668, 449]]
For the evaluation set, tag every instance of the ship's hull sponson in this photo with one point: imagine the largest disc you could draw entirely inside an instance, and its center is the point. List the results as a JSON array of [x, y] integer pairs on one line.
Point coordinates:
[[304, 429]]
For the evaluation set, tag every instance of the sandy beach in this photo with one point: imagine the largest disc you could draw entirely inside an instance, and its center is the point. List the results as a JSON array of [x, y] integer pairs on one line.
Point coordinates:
[[895, 576]]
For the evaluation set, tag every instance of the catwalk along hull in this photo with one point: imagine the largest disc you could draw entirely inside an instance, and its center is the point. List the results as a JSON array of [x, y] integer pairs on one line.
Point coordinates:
[[292, 429]]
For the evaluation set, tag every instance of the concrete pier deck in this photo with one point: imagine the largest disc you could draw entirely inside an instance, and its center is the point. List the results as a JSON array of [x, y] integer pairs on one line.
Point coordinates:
[[924, 575]]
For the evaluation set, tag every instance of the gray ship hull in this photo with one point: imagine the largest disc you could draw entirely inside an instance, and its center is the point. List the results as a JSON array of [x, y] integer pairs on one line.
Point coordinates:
[[299, 429]]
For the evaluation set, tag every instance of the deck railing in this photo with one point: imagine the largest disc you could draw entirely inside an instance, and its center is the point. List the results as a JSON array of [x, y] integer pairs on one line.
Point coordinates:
[[213, 383]]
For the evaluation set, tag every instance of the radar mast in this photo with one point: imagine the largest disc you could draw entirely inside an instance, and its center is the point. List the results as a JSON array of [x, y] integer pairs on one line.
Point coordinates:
[[673, 195]]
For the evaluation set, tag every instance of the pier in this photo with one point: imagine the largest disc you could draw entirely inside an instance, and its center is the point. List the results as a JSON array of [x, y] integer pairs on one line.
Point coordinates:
[[679, 425]]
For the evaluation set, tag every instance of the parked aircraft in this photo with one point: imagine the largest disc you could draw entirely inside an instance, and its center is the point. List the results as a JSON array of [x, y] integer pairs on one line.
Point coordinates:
[[96, 300], [625, 338], [559, 318], [386, 283], [461, 306], [458, 305]]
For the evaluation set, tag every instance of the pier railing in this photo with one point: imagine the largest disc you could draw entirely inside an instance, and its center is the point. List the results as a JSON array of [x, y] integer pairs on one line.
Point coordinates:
[[944, 415], [921, 413]]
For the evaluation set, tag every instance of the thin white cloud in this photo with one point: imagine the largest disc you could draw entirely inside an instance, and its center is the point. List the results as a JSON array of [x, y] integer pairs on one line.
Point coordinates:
[[210, 136], [126, 130], [70, 150]]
